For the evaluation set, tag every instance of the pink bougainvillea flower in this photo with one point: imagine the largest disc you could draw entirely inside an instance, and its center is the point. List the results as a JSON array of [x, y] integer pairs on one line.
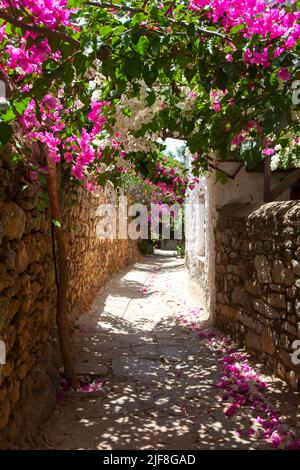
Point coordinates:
[[33, 175], [229, 57], [269, 151], [284, 75]]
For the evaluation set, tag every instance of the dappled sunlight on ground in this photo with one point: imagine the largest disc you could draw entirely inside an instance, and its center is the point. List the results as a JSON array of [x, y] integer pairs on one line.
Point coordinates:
[[161, 380]]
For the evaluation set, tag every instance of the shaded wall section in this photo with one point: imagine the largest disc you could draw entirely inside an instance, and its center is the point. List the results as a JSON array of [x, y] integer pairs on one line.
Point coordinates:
[[27, 306], [92, 259], [29, 378], [258, 280]]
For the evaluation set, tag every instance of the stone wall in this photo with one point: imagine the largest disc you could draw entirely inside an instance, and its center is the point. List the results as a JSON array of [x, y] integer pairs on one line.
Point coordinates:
[[245, 188], [92, 260], [29, 379], [27, 306], [258, 281]]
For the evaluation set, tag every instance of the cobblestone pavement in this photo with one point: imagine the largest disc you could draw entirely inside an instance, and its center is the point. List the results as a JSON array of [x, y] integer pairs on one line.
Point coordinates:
[[162, 379]]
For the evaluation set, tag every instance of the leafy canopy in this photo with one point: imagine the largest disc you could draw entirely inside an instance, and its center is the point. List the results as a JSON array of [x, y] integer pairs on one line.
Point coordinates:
[[99, 82]]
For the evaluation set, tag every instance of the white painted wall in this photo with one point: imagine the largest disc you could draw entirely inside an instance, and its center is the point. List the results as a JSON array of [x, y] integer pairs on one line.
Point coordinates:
[[246, 187], [195, 218], [195, 240]]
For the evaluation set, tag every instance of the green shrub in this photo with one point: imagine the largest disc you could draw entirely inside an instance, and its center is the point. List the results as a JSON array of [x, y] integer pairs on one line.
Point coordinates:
[[146, 247], [181, 249]]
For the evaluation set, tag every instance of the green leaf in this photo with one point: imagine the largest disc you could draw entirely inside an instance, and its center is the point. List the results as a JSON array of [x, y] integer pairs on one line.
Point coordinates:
[[137, 19], [8, 116], [190, 73], [150, 75], [151, 98], [108, 68], [194, 142], [221, 177], [250, 153], [80, 63], [56, 223], [154, 44], [236, 29], [8, 29], [6, 132], [142, 45], [20, 105], [133, 68], [106, 30], [68, 73], [16, 158], [221, 79]]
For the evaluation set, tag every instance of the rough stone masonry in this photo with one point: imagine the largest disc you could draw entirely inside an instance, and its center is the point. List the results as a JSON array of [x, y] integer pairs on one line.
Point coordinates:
[[258, 281], [28, 380]]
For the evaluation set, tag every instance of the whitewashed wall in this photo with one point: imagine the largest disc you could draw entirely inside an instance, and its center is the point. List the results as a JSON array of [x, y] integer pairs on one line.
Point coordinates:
[[201, 220]]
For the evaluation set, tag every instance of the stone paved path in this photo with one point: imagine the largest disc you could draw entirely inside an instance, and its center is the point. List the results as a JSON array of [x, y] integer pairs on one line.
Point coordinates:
[[162, 378]]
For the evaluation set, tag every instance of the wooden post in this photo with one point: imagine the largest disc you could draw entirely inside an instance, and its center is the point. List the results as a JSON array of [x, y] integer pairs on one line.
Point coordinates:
[[285, 184], [267, 179], [62, 319]]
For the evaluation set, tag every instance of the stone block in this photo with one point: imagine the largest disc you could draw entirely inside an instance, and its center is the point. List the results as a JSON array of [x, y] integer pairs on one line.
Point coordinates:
[[277, 300], [290, 328], [6, 279], [281, 274], [233, 269], [297, 307], [291, 292], [3, 393], [4, 413], [286, 359], [296, 267], [228, 311], [265, 309], [253, 287], [238, 296], [267, 341], [13, 220], [9, 184], [285, 341], [276, 287], [14, 391], [22, 258], [246, 320], [10, 259], [22, 371], [262, 268], [267, 245], [8, 309], [253, 341]]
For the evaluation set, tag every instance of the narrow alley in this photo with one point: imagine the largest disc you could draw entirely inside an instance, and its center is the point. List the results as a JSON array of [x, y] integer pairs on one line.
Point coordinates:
[[149, 347]]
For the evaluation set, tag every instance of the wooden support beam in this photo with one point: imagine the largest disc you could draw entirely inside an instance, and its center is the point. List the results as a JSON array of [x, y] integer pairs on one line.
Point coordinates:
[[231, 176], [286, 183], [267, 179]]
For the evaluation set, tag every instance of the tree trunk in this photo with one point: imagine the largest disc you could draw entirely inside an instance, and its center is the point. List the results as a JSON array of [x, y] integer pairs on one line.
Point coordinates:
[[63, 324]]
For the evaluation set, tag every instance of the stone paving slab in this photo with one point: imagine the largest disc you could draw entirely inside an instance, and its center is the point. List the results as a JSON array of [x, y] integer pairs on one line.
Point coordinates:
[[162, 379], [141, 370]]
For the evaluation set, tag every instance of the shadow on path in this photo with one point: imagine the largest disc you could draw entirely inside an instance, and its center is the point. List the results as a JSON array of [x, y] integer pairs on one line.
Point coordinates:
[[162, 379]]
